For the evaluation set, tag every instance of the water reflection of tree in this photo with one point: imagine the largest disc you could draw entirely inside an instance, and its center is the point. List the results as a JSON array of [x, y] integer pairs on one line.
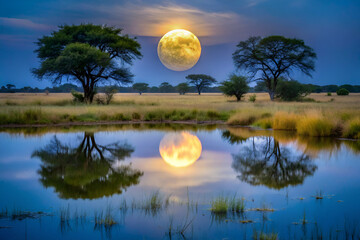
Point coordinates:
[[87, 171], [266, 162]]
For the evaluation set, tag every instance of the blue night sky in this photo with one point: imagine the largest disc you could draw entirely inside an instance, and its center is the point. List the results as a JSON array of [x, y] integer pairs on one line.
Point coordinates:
[[331, 27]]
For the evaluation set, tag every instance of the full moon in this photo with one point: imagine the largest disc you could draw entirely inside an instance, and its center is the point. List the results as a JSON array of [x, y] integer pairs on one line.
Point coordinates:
[[180, 149], [179, 50]]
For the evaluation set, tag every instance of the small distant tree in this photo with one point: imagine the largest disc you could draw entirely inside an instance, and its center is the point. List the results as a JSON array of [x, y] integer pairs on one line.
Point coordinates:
[[166, 87], [183, 88], [140, 87], [10, 86], [270, 58], [342, 92], [236, 86], [154, 89], [200, 81], [27, 89], [109, 93], [291, 90], [252, 98], [87, 54]]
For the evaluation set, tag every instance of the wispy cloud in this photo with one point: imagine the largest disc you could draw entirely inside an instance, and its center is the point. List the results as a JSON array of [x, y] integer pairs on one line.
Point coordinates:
[[23, 23], [156, 20]]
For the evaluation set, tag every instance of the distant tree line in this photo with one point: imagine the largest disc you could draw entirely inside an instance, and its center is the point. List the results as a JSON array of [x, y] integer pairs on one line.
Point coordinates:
[[164, 87]]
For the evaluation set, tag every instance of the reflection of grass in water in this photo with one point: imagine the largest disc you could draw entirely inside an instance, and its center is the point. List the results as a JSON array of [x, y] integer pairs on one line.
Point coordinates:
[[180, 229], [263, 208], [19, 214], [319, 195], [264, 236], [106, 220], [152, 204]]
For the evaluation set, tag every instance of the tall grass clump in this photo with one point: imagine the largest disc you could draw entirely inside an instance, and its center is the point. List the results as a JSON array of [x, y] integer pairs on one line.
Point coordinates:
[[106, 220], [237, 205], [353, 129], [285, 121], [264, 236], [223, 204], [220, 205], [153, 204], [315, 126]]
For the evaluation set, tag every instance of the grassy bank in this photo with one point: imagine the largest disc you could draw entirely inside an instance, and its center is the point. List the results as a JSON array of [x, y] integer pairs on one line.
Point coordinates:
[[325, 116]]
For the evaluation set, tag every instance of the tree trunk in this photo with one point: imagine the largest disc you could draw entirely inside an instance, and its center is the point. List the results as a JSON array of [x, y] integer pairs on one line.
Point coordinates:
[[272, 95], [238, 98]]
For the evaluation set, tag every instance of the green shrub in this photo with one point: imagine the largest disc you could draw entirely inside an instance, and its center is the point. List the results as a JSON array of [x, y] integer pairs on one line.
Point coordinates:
[[291, 90], [342, 92], [154, 116], [236, 86], [77, 96], [329, 94], [252, 98], [120, 117], [136, 116]]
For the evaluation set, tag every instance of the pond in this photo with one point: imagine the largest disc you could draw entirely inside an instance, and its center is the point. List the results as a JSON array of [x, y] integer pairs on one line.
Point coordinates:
[[176, 182]]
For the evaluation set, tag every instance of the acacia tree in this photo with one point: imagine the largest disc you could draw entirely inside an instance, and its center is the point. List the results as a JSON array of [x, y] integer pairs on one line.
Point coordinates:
[[236, 86], [183, 88], [88, 54], [264, 161], [166, 87], [267, 59], [87, 170], [140, 87], [200, 81]]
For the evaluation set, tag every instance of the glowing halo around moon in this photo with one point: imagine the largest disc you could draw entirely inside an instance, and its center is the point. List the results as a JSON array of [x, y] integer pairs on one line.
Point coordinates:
[[179, 50], [180, 149]]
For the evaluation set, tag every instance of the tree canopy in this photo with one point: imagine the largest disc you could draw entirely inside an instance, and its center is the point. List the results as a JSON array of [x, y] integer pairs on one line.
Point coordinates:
[[269, 58], [166, 87], [236, 86], [200, 81], [265, 162], [87, 171], [140, 87], [183, 88], [87, 53]]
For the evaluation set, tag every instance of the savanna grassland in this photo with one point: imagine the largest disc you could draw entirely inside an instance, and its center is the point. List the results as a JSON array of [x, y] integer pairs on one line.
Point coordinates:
[[322, 115]]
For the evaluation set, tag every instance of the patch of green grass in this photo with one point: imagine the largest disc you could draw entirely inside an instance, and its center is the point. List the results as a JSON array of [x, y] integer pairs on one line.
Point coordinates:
[[120, 117], [264, 236], [223, 204], [87, 117], [220, 205], [264, 123]]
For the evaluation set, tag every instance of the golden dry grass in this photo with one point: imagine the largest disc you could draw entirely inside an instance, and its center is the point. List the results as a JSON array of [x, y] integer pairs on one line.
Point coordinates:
[[58, 107]]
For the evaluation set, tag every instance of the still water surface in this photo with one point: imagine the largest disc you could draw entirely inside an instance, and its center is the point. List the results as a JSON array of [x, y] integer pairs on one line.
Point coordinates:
[[73, 175]]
